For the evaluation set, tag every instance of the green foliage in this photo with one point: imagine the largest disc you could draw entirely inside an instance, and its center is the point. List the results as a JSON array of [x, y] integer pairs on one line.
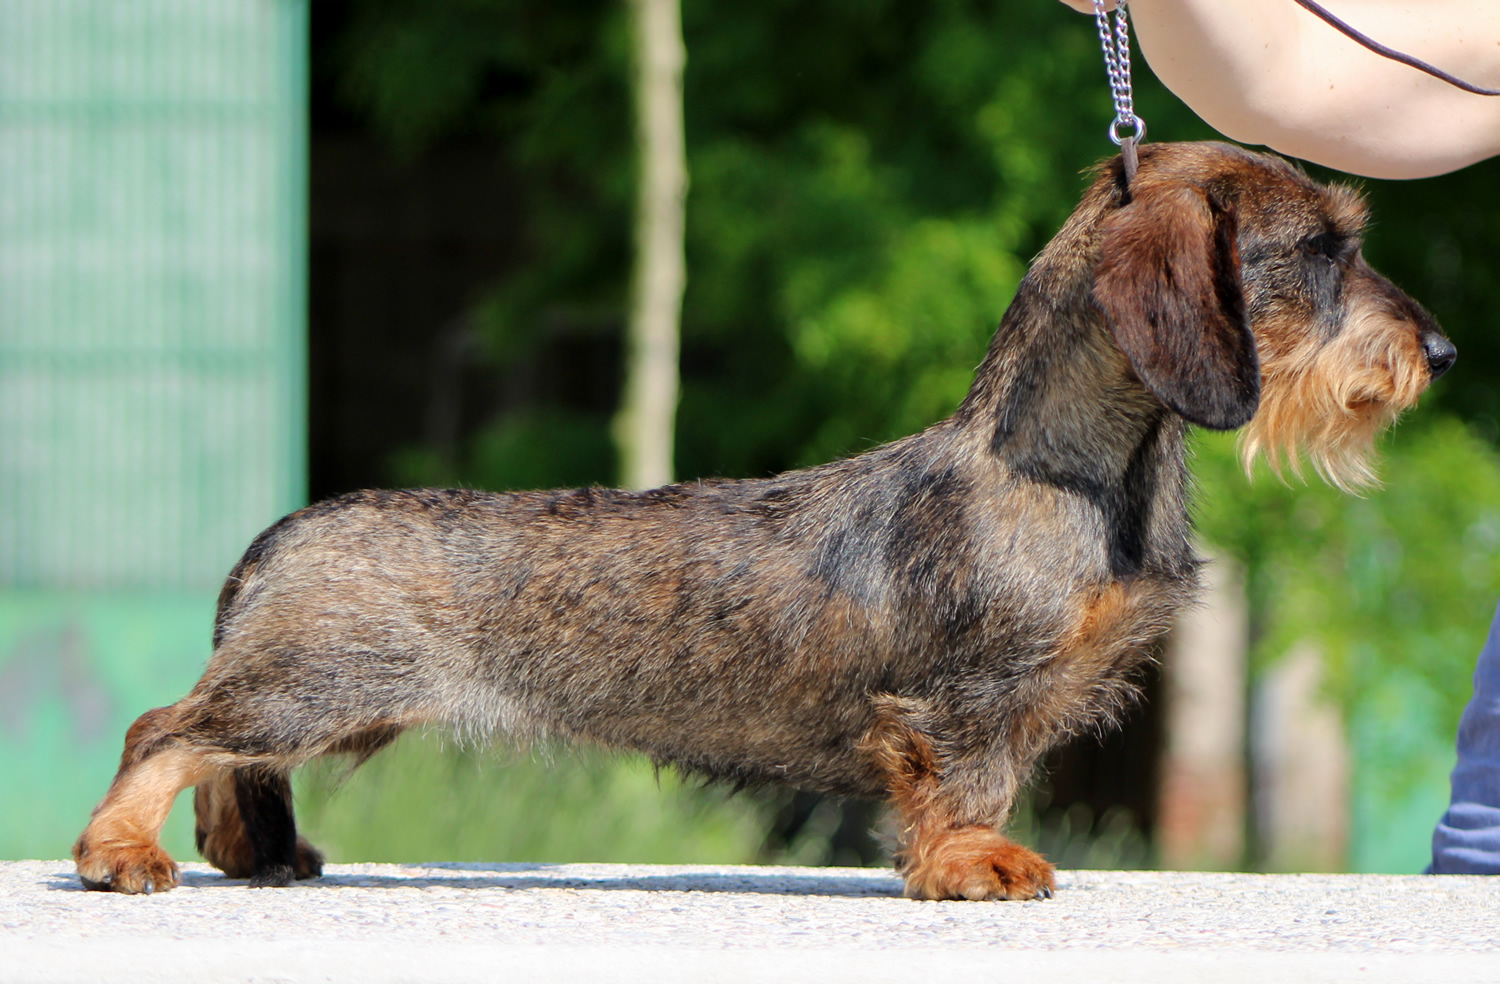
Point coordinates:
[[420, 801], [867, 181], [1072, 837], [534, 447], [1400, 581]]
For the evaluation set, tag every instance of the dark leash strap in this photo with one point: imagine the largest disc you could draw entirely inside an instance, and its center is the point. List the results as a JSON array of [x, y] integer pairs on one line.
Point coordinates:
[[1116, 46], [1391, 53]]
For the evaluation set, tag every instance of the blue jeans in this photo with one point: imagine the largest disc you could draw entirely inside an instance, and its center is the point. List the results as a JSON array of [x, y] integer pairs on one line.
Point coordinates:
[[1467, 839]]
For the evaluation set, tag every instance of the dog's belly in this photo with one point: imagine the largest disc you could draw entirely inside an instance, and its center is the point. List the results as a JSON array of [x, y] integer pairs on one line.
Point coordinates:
[[787, 694], [763, 695]]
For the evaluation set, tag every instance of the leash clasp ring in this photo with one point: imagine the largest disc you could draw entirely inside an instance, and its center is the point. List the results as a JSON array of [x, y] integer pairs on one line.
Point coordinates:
[[1136, 124]]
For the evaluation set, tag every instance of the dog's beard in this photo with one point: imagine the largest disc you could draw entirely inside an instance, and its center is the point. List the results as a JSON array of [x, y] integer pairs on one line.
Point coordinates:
[[1329, 407]]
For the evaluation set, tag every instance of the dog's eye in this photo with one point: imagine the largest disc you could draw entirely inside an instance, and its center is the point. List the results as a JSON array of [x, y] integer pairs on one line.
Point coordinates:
[[1328, 245]]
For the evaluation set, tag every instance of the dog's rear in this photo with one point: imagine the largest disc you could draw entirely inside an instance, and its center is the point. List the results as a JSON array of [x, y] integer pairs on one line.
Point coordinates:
[[922, 621]]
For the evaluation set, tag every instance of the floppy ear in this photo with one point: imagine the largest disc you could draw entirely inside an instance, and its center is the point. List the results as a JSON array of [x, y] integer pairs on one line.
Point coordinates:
[[1168, 282]]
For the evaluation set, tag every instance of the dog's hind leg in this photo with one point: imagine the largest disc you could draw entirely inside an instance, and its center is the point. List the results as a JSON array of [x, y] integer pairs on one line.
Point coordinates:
[[246, 828], [238, 744], [219, 830], [264, 797], [950, 847], [120, 849]]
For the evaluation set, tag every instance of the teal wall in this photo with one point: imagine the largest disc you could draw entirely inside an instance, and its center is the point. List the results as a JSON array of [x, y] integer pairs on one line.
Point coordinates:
[[1403, 752], [152, 366]]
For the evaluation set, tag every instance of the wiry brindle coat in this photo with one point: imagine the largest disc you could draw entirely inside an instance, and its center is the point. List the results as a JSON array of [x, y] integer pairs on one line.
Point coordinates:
[[921, 621]]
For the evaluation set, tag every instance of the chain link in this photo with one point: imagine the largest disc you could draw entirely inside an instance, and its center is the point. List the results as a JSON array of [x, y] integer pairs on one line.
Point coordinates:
[[1116, 45]]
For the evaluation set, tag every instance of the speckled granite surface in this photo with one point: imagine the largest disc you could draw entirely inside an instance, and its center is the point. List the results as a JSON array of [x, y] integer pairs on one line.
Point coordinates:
[[377, 923]]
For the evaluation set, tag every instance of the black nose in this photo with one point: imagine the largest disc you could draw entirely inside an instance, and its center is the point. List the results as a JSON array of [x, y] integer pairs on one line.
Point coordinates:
[[1440, 353]]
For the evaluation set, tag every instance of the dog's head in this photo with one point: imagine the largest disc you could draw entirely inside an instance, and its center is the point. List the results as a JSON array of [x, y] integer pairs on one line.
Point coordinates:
[[1235, 286]]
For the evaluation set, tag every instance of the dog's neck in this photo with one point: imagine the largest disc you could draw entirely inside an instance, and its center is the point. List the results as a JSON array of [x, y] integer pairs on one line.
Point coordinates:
[[1057, 403], [1056, 395]]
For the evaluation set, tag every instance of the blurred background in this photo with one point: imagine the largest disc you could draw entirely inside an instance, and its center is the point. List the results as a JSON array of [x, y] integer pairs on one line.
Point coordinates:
[[254, 253]]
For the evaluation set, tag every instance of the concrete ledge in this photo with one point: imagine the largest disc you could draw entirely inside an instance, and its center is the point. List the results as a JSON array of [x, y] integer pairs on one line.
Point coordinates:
[[378, 923]]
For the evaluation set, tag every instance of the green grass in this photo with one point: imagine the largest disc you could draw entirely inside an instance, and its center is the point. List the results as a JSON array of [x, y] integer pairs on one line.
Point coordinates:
[[427, 800]]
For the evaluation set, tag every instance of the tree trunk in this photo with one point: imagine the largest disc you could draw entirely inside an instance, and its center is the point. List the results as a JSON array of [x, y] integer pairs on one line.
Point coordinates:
[[644, 428], [1201, 813]]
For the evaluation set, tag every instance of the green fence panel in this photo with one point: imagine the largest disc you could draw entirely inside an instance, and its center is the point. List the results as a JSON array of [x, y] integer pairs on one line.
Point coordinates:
[[152, 366], [1403, 752], [75, 670]]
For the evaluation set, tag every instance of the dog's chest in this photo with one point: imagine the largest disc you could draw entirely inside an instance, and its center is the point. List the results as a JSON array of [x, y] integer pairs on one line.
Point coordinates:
[[1059, 601]]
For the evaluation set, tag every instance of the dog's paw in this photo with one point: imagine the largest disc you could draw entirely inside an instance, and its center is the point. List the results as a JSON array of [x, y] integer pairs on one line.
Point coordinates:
[[273, 876], [307, 863], [131, 868], [226, 847], [309, 860], [977, 863]]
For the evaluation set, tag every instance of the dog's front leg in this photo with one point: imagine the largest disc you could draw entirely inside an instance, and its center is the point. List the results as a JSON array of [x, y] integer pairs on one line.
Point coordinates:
[[950, 845]]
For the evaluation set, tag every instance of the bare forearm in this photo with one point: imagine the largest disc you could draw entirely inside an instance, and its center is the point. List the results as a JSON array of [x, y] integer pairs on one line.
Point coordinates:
[[1269, 72]]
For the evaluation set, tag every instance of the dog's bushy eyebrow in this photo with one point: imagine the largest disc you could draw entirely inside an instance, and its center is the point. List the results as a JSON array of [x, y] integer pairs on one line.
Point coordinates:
[[1347, 209]]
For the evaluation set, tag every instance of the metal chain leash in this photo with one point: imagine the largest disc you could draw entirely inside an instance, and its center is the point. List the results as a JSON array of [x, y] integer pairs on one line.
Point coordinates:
[[1116, 46]]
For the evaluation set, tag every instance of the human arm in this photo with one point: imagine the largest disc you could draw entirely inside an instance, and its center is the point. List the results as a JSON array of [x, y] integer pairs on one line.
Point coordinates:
[[1269, 72]]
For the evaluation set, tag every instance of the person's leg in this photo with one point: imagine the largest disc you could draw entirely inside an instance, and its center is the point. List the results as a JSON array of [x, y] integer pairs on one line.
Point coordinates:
[[1467, 838]]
